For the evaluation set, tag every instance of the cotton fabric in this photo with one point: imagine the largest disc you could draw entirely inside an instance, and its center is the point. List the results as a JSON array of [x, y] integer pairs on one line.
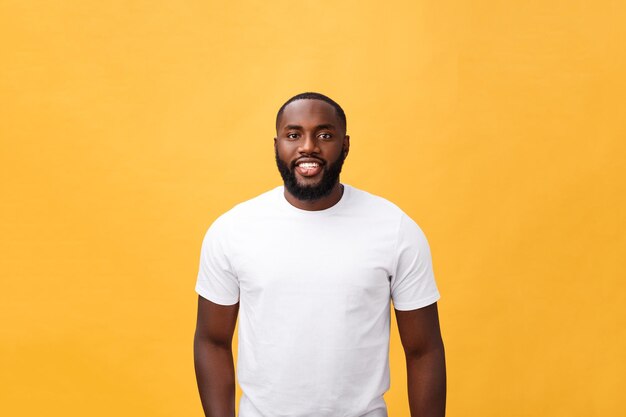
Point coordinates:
[[314, 289]]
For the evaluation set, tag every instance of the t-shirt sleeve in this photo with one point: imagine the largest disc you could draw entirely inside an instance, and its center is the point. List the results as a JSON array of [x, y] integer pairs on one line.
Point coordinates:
[[413, 283], [217, 281]]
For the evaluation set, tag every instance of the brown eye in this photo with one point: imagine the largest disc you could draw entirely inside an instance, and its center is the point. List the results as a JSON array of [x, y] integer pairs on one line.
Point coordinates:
[[292, 136], [325, 136]]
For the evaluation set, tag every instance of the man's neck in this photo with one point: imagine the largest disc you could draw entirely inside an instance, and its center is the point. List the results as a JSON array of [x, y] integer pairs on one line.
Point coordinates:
[[319, 204]]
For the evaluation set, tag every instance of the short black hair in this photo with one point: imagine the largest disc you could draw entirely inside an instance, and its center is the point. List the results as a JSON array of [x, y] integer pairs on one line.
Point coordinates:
[[314, 96]]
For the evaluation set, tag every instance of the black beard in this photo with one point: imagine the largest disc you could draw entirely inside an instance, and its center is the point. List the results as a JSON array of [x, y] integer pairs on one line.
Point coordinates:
[[330, 177]]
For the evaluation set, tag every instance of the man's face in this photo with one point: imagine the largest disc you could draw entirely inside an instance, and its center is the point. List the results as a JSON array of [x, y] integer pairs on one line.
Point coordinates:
[[311, 145]]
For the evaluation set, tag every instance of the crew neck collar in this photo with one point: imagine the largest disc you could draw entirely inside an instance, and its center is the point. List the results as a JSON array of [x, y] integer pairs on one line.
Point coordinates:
[[347, 190]]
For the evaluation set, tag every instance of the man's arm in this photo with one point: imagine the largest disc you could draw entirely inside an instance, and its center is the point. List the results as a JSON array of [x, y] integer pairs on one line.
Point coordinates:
[[425, 360], [213, 357]]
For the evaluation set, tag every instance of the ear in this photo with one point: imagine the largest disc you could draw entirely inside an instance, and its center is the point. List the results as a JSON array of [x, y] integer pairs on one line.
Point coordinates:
[[346, 145]]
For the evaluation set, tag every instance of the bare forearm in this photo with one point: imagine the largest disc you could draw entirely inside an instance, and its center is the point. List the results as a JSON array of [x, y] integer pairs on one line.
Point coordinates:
[[427, 383], [215, 374]]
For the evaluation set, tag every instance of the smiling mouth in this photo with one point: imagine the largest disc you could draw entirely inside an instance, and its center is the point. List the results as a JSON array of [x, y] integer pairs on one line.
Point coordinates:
[[308, 168]]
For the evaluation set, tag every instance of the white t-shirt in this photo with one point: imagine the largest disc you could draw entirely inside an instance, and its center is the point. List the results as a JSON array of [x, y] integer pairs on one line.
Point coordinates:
[[314, 289]]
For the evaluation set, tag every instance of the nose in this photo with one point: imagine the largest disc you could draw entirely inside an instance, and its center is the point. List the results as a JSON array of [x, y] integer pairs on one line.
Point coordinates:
[[309, 145]]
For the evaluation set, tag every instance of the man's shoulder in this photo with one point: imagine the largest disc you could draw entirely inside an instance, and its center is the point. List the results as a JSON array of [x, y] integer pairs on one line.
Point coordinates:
[[269, 197], [374, 203], [264, 201], [244, 212]]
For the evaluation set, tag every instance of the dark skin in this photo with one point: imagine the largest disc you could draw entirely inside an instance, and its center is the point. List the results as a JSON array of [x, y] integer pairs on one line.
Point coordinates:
[[311, 129], [425, 360], [213, 357]]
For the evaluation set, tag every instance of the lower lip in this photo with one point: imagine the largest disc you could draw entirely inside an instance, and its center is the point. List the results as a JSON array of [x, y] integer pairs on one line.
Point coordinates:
[[310, 172]]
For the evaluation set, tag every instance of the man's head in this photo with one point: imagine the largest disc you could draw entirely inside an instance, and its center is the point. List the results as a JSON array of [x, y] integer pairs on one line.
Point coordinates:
[[314, 96], [310, 144]]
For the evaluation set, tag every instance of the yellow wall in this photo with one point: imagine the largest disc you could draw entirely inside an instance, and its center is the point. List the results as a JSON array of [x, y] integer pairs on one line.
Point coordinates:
[[127, 127]]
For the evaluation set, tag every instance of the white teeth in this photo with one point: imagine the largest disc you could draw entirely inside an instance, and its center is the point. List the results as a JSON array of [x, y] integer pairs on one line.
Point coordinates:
[[309, 165]]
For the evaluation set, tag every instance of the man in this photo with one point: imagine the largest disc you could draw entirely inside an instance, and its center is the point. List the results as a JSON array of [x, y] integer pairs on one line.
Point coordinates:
[[311, 268]]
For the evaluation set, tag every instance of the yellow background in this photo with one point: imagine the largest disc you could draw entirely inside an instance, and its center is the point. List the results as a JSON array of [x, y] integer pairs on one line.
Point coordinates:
[[127, 127]]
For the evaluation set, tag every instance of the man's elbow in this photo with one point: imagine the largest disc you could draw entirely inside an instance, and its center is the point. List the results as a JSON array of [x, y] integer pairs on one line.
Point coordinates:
[[205, 341], [433, 349]]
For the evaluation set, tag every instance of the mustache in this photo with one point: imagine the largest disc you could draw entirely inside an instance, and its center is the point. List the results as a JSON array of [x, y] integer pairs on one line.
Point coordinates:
[[329, 178]]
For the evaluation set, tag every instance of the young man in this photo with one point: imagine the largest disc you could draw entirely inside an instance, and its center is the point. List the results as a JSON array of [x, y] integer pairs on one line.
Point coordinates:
[[311, 268]]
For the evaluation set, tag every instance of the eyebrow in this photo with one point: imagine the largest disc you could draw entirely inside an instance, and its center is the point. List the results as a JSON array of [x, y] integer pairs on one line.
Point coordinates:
[[318, 127]]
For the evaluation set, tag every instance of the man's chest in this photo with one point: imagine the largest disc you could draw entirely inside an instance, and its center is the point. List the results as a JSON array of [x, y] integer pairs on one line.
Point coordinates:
[[309, 282], [334, 258]]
